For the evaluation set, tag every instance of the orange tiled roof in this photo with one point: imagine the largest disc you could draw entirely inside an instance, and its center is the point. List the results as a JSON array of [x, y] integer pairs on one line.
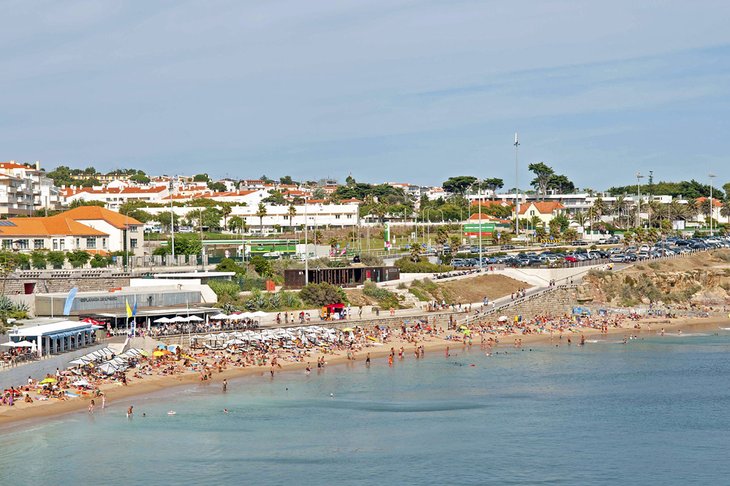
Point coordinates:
[[543, 207], [51, 226], [715, 202], [117, 220], [12, 165]]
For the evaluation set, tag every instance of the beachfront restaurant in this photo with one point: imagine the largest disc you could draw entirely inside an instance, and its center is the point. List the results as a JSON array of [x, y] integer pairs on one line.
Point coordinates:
[[57, 337]]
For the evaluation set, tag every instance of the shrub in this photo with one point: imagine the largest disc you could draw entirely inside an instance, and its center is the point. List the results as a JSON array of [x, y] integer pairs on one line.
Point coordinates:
[[322, 294], [229, 265], [224, 289], [78, 258], [406, 265], [38, 260], [384, 297], [98, 261], [56, 258]]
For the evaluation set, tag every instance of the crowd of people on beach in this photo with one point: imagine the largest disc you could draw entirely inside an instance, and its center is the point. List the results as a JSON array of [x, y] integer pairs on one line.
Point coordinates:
[[308, 346]]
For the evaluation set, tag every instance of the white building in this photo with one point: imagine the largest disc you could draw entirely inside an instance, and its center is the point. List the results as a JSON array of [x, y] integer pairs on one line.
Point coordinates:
[[113, 197], [24, 188], [317, 215]]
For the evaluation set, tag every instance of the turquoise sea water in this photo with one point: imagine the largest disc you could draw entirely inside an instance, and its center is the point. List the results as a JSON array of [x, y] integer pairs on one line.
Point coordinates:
[[654, 411]]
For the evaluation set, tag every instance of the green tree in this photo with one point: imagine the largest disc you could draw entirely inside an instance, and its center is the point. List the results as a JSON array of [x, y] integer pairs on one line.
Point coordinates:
[[291, 212], [286, 180], [38, 260], [322, 294], [98, 261], [459, 184], [217, 186], [80, 202], [78, 258], [56, 258], [261, 265], [237, 224], [260, 213], [140, 178], [201, 178], [493, 185], [543, 173], [211, 218], [187, 244]]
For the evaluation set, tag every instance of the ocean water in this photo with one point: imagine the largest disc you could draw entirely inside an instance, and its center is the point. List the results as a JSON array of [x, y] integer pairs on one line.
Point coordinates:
[[653, 411]]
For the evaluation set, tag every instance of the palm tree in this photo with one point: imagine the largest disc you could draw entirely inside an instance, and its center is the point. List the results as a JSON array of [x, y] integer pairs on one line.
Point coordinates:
[[291, 213], [692, 209], [260, 213], [619, 206], [226, 211], [725, 209], [580, 218], [655, 210], [236, 224]]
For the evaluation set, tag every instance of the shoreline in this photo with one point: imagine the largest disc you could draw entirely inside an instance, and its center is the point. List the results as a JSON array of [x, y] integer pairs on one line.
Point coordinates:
[[14, 418]]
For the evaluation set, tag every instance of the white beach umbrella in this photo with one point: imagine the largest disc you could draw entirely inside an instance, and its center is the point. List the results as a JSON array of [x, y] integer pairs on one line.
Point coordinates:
[[195, 319], [259, 314], [219, 317], [162, 320], [235, 342]]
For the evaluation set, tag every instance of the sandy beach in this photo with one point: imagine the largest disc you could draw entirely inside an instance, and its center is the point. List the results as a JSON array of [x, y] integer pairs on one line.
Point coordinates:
[[27, 413]]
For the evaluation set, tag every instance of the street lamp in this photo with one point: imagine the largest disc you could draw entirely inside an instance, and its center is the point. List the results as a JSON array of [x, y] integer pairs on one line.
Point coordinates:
[[638, 199], [711, 176], [172, 219], [517, 187]]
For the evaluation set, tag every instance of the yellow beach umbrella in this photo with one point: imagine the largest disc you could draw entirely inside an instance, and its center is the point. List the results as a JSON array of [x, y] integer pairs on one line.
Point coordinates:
[[48, 380], [348, 329], [157, 354]]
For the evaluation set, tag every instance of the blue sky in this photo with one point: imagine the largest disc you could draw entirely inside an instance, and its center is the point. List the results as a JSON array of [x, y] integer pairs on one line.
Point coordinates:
[[396, 90]]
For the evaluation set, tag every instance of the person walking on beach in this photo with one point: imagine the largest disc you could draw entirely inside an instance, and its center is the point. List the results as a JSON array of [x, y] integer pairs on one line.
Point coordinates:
[[130, 411], [367, 360], [103, 401], [225, 385], [91, 406]]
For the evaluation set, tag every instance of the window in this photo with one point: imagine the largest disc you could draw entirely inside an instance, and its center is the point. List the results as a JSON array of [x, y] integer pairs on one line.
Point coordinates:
[[103, 243], [55, 244], [78, 242], [133, 229], [133, 242], [532, 212], [337, 216], [7, 243], [62, 244], [38, 244], [22, 244], [91, 243]]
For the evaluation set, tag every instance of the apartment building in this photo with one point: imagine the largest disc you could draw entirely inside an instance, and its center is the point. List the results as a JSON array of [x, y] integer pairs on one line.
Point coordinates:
[[24, 188]]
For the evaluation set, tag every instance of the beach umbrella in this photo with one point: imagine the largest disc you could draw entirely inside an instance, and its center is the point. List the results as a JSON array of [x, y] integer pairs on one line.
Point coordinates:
[[81, 382], [195, 319], [259, 314], [234, 342], [48, 380], [348, 329], [108, 368], [178, 319], [503, 319], [159, 353], [219, 317], [161, 320]]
